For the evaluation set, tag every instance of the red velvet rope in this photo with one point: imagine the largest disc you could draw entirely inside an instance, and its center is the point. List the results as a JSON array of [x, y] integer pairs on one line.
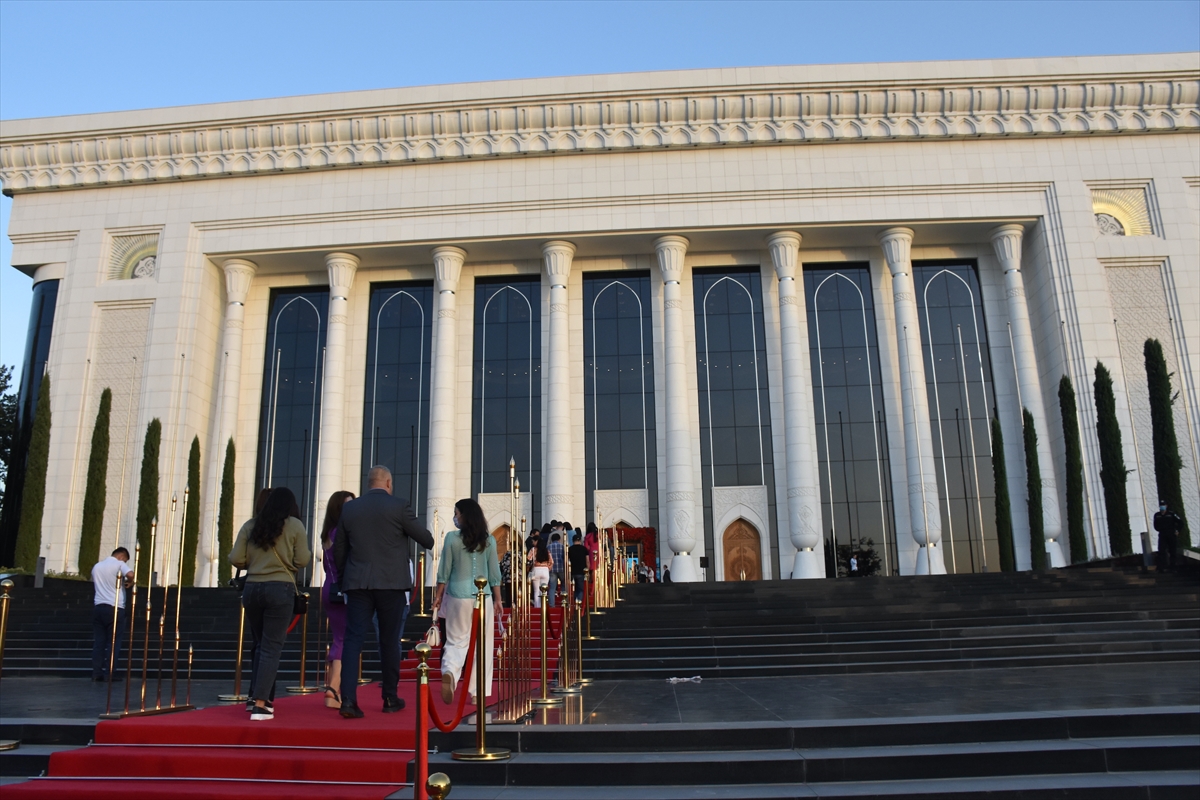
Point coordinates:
[[464, 683]]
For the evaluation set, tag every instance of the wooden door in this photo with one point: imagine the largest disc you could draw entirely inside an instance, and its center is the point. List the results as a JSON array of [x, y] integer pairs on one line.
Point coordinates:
[[743, 552]]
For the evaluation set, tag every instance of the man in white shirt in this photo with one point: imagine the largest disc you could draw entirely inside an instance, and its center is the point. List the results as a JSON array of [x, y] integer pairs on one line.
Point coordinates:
[[104, 576]]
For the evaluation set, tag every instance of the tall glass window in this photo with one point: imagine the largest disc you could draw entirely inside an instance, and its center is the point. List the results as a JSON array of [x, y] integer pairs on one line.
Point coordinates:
[[735, 411], [852, 456], [37, 351], [290, 419], [618, 358], [958, 375], [396, 400], [508, 384]]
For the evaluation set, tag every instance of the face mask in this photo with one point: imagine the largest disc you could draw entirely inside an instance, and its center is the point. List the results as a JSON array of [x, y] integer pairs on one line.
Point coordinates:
[[1162, 508]]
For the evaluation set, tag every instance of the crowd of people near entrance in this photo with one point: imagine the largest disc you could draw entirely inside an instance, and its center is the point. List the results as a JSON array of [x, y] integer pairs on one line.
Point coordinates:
[[365, 544]]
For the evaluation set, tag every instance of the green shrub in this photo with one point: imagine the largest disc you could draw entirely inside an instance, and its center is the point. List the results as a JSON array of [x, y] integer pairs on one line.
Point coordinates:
[[33, 498], [1070, 422], [1167, 462], [191, 520], [1112, 464], [95, 495], [225, 517], [147, 509], [1033, 485], [1004, 534]]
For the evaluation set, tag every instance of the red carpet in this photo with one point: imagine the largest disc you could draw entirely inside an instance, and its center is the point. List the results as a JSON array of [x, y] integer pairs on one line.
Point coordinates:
[[308, 750]]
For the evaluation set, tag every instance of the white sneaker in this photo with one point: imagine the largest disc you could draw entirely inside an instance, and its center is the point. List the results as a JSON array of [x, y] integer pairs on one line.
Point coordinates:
[[262, 713]]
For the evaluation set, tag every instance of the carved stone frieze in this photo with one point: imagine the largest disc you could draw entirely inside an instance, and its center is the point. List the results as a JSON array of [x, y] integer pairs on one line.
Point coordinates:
[[695, 116]]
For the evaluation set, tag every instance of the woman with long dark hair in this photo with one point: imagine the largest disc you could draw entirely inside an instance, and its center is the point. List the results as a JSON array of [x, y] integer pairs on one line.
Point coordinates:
[[468, 552], [541, 562], [272, 548], [334, 611]]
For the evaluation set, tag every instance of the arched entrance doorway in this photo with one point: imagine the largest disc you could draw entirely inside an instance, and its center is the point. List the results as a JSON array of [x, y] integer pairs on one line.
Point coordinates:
[[743, 552], [501, 535]]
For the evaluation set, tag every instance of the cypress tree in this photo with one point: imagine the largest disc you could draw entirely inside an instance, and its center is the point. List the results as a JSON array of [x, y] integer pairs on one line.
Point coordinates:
[[1167, 462], [1112, 464], [33, 498], [191, 521], [96, 493], [1033, 485], [225, 517], [1074, 448], [1004, 536], [147, 510]]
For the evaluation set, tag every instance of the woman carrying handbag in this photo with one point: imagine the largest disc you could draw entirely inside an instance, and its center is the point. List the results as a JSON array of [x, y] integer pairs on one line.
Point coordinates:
[[272, 548], [468, 552]]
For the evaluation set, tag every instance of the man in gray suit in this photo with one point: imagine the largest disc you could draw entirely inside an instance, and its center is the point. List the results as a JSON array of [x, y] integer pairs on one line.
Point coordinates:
[[371, 553]]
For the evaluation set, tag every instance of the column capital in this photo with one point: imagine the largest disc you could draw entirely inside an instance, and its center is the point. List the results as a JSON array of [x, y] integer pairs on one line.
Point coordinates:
[[238, 274], [342, 267], [785, 253], [556, 260], [447, 266], [1006, 241], [671, 250], [897, 249]]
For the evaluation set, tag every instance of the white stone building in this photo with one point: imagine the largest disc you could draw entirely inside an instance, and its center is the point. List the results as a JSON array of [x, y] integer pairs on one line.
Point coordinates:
[[756, 309]]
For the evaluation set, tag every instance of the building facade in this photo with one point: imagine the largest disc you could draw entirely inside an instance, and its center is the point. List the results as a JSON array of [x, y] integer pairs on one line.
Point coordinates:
[[758, 310]]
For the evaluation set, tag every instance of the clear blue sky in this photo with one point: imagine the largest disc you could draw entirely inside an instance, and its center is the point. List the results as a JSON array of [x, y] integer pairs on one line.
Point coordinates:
[[77, 57]]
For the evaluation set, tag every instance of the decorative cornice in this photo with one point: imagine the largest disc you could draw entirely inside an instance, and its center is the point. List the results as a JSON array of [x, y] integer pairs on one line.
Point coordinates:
[[713, 115]]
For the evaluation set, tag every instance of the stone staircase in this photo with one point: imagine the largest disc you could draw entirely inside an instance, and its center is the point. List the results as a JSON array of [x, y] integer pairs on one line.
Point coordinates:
[[1112, 754], [1075, 616]]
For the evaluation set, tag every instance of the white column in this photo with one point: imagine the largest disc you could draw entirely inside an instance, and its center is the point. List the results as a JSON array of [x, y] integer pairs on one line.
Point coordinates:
[[238, 275], [559, 495], [803, 486], [1006, 240], [341, 267], [443, 435], [681, 493], [918, 437]]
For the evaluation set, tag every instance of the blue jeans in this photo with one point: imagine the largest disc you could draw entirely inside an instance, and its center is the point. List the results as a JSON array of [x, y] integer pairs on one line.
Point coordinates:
[[268, 612], [102, 637]]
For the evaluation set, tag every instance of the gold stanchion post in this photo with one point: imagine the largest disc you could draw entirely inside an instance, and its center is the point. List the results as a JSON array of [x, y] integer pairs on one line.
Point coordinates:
[[545, 699], [149, 604], [133, 593], [237, 696], [5, 599], [112, 653], [361, 680], [178, 596], [481, 752], [303, 688]]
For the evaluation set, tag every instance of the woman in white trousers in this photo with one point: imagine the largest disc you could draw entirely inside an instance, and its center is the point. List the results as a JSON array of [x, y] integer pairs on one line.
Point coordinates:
[[467, 552], [539, 576]]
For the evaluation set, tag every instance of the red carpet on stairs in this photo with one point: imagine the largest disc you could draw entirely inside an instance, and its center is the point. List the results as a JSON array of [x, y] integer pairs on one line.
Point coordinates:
[[308, 750]]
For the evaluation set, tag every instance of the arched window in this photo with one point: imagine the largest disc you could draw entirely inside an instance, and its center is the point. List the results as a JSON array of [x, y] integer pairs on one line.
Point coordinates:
[[396, 400], [290, 420], [848, 406], [507, 385], [958, 377], [619, 386]]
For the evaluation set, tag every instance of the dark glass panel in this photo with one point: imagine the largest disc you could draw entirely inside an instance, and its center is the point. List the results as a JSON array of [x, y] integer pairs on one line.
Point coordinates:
[[290, 417], [619, 385], [735, 421], [396, 397], [848, 405], [507, 386], [954, 342]]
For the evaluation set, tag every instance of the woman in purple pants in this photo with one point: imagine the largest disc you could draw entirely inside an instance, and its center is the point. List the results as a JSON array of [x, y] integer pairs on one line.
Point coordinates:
[[335, 610]]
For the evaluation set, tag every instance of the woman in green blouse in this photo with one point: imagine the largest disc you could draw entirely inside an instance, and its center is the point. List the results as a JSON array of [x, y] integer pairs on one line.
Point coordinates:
[[468, 552]]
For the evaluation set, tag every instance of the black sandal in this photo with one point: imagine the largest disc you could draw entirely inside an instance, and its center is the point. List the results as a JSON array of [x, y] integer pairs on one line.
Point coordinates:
[[336, 699]]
